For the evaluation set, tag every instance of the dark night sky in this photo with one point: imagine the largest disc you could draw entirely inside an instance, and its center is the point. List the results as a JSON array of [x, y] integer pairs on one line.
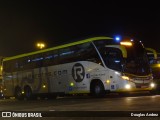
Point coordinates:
[[24, 23]]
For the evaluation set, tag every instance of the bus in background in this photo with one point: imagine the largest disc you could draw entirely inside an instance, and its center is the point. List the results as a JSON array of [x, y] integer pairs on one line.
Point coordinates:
[[158, 55], [154, 61], [152, 56], [95, 66], [1, 82]]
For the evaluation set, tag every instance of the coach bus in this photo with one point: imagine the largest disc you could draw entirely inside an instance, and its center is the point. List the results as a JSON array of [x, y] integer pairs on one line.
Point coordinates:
[[1, 82], [152, 55], [154, 61], [94, 66]]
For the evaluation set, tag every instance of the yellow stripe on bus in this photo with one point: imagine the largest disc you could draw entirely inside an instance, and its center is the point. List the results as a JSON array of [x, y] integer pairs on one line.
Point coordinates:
[[59, 47], [133, 90]]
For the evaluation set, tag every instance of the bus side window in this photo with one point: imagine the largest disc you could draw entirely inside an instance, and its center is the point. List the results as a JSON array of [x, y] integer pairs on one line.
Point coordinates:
[[6, 66], [51, 58], [37, 61], [22, 65], [48, 58], [65, 55], [86, 52]]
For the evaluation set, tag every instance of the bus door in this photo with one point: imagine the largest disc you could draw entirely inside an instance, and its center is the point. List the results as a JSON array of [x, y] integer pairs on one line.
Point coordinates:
[[114, 61]]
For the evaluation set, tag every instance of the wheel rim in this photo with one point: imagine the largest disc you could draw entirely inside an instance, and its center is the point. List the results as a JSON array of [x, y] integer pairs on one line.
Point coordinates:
[[28, 92], [97, 90], [18, 93]]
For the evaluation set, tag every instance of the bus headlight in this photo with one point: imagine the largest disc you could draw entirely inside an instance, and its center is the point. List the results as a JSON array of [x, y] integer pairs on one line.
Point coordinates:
[[128, 86], [152, 85], [125, 77]]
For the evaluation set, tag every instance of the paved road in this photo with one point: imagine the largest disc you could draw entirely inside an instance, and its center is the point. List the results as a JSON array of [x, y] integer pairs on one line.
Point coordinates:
[[140, 102]]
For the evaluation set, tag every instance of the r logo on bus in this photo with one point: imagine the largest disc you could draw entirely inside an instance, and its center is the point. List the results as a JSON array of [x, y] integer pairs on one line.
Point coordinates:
[[78, 72]]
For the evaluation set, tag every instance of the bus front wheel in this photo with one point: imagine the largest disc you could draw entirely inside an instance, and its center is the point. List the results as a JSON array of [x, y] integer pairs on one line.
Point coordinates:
[[97, 89]]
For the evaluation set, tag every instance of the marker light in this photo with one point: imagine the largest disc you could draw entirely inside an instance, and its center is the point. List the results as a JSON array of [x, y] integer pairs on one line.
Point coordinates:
[[44, 86], [107, 81], [1, 68], [117, 73], [126, 43], [71, 84], [117, 38]]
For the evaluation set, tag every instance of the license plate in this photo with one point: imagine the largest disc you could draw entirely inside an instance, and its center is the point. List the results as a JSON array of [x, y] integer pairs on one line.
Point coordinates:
[[144, 86]]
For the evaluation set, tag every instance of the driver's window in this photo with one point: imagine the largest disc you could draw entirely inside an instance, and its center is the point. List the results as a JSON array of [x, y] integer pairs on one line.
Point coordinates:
[[113, 58]]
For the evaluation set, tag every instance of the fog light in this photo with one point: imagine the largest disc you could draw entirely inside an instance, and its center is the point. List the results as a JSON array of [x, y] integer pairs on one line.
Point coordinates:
[[152, 85], [127, 86]]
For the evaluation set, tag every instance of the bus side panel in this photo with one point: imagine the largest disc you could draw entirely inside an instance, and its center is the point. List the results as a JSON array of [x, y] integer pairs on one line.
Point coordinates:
[[56, 79], [65, 78], [8, 85], [99, 72], [78, 79], [39, 81]]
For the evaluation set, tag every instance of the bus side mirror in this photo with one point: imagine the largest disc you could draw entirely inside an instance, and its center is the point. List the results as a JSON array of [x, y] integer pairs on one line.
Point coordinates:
[[123, 66]]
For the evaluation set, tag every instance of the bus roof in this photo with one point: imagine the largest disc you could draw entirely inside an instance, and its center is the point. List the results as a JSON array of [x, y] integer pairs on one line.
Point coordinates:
[[58, 47]]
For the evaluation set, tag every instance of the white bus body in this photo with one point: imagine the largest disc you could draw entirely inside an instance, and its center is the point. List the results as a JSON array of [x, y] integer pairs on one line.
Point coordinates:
[[85, 70]]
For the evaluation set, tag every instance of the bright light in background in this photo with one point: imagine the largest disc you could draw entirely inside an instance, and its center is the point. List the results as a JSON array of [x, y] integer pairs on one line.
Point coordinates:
[[41, 45], [132, 40]]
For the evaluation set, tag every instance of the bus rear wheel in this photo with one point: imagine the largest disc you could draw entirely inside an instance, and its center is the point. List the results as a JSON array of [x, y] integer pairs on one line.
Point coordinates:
[[28, 93], [97, 89]]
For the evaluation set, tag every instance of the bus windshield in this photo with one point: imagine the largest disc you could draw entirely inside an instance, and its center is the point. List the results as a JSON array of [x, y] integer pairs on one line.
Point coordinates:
[[136, 61]]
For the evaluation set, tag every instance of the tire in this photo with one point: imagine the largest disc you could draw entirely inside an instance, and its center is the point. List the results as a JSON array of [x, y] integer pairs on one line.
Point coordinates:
[[28, 93], [97, 89], [18, 93]]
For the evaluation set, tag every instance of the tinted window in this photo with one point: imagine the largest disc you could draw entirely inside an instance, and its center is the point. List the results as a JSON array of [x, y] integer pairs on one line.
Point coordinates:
[[113, 58]]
